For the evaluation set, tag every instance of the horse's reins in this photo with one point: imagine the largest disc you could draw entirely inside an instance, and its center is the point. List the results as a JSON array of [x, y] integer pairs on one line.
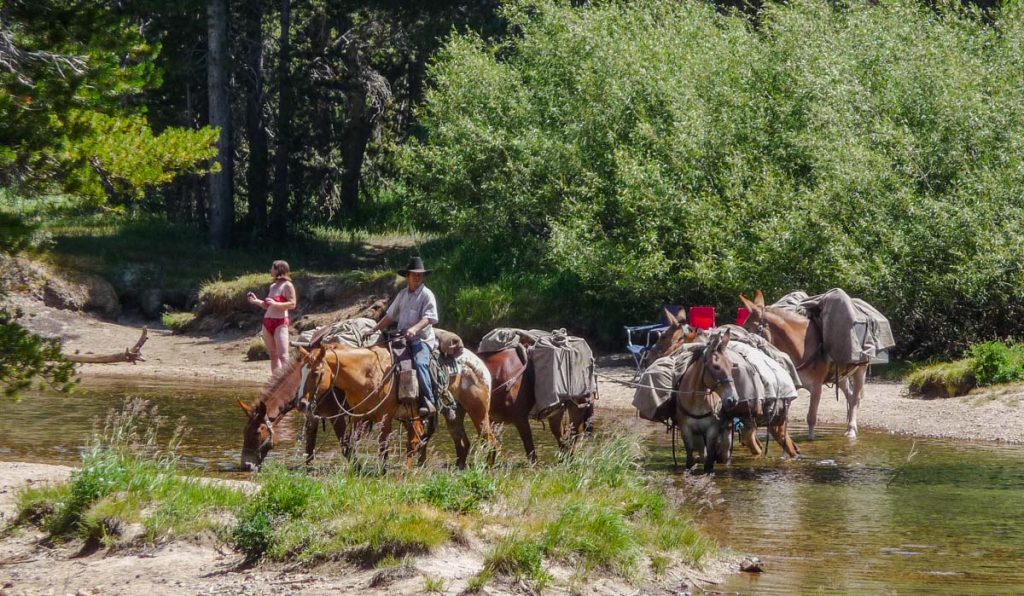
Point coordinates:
[[333, 391]]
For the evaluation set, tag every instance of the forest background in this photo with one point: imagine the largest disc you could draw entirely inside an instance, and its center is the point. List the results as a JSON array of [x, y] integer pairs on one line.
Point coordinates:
[[572, 164]]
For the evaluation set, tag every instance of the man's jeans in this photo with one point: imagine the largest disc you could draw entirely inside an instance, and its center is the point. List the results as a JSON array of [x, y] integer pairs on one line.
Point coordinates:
[[421, 360]]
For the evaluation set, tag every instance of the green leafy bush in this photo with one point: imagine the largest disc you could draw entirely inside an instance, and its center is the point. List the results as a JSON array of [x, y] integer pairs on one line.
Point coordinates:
[[995, 362], [662, 152], [460, 492]]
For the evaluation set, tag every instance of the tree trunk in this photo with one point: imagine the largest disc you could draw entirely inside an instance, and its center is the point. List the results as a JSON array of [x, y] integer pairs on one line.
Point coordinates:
[[279, 215], [132, 354], [368, 94], [256, 126], [218, 68]]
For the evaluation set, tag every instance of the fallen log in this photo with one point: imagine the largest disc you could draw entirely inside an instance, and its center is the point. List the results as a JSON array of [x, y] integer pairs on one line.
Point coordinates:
[[132, 354]]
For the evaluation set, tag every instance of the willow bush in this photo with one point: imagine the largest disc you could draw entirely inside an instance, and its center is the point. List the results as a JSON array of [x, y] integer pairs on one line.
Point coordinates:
[[650, 152]]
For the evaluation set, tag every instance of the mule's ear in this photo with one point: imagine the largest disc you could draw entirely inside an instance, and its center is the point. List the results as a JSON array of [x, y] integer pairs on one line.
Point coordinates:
[[671, 318], [747, 303], [725, 339], [246, 408], [759, 298]]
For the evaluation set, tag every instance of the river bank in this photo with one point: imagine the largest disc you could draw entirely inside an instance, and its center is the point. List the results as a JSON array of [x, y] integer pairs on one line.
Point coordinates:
[[986, 414]]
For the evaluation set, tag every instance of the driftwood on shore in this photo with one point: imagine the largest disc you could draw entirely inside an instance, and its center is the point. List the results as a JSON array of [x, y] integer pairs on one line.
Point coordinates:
[[132, 354]]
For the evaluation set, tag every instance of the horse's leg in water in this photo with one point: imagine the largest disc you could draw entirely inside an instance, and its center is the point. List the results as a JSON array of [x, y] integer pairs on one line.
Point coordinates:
[[557, 423], [711, 443], [724, 441], [344, 433], [581, 419], [812, 409], [482, 422], [853, 387], [312, 427], [689, 441], [748, 437], [780, 433], [457, 430], [526, 434]]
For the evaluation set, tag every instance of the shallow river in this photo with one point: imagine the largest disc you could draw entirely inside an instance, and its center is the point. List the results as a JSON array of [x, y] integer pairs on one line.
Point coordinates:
[[862, 516]]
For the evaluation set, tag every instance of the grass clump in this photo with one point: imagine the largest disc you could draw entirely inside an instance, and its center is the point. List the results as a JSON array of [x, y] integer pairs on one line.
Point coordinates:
[[177, 322], [517, 556], [945, 379], [987, 363], [460, 493], [595, 511], [257, 350]]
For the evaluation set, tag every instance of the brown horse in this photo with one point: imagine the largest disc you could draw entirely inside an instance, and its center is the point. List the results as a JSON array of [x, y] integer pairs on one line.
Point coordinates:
[[512, 398], [325, 383], [263, 417], [705, 384], [678, 333], [801, 340]]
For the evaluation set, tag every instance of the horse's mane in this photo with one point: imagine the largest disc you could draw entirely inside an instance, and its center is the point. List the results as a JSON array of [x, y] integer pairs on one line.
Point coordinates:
[[279, 382]]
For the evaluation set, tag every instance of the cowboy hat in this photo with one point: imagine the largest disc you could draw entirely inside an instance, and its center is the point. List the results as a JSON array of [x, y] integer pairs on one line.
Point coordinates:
[[415, 266]]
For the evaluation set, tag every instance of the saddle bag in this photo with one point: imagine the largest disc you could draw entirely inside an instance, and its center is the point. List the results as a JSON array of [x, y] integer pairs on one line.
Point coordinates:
[[563, 370]]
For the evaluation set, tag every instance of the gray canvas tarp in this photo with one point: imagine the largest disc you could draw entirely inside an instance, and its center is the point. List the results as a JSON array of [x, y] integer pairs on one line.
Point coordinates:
[[774, 378], [853, 331], [349, 332], [653, 398], [739, 334], [746, 380], [563, 369]]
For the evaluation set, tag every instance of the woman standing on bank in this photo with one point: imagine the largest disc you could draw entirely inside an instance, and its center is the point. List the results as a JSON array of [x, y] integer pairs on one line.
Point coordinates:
[[280, 299]]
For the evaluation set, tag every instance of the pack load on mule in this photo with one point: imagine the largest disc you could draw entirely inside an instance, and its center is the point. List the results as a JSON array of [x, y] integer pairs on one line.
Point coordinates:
[[563, 365], [655, 389], [351, 332], [852, 331], [764, 373], [763, 382]]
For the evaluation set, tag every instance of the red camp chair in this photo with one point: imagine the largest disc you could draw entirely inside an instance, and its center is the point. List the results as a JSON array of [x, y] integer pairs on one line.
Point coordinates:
[[742, 315], [702, 317]]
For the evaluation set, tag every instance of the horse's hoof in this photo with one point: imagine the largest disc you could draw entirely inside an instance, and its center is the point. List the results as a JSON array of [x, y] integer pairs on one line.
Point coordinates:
[[851, 433], [810, 435]]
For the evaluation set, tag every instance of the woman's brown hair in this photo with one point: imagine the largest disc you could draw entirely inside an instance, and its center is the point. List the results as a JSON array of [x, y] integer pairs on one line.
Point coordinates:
[[281, 269]]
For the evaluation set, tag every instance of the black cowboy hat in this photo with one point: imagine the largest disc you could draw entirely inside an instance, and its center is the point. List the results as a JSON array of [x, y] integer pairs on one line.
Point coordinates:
[[415, 266]]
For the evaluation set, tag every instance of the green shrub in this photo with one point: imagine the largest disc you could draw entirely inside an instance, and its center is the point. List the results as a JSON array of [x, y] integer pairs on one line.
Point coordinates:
[[177, 322], [257, 350], [996, 362], [657, 152]]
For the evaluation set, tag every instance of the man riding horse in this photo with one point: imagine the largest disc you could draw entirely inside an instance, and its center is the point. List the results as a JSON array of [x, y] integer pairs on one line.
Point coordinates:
[[414, 309]]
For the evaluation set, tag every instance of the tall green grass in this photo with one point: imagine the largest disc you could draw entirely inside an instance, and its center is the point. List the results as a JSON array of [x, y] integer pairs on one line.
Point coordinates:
[[595, 512]]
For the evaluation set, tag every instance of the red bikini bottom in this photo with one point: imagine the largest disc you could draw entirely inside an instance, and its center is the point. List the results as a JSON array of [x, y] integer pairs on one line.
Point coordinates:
[[271, 324]]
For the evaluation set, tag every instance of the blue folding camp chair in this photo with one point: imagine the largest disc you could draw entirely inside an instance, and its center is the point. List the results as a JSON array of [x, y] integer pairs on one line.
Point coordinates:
[[640, 339]]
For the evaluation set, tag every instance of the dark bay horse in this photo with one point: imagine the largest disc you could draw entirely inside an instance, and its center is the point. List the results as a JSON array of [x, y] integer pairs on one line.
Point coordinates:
[[798, 337], [512, 398]]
